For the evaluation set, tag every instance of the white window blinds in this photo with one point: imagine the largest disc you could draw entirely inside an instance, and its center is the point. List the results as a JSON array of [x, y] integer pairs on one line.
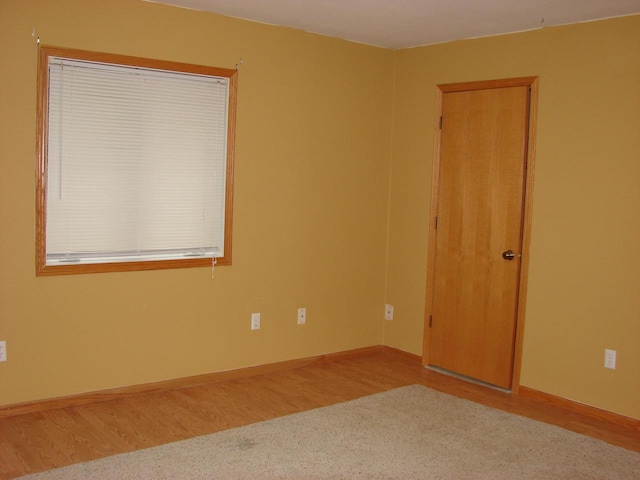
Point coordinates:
[[136, 162]]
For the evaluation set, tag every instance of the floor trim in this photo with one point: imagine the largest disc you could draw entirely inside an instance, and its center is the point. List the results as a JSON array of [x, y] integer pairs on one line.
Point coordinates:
[[216, 377], [580, 408], [194, 381]]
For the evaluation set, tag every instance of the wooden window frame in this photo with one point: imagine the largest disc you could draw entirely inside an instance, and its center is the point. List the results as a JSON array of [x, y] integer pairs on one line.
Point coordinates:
[[42, 269]]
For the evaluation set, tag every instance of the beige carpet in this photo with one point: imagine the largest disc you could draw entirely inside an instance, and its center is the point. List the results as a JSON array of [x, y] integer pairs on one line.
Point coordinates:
[[408, 433]]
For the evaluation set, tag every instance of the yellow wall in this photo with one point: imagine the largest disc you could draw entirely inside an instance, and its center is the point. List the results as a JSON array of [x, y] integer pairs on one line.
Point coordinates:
[[311, 189], [326, 175], [584, 277]]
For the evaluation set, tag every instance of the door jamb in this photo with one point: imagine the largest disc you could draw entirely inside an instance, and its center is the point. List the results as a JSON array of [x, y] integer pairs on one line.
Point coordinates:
[[532, 83]]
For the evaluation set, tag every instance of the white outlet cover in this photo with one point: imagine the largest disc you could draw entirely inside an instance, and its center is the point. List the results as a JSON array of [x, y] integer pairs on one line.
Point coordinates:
[[302, 316], [255, 321], [610, 359], [388, 312], [3, 351]]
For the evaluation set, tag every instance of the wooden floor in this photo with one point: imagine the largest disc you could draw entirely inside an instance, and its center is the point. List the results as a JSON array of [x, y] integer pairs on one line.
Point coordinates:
[[40, 441]]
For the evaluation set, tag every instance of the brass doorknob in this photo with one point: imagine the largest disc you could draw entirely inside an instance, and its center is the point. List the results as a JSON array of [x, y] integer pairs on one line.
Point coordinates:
[[508, 255]]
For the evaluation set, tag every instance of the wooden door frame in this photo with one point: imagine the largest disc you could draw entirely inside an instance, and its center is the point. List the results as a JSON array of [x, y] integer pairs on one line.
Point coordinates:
[[532, 83]]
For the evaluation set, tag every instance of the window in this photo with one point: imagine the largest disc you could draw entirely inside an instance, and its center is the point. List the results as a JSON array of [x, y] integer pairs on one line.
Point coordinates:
[[135, 162]]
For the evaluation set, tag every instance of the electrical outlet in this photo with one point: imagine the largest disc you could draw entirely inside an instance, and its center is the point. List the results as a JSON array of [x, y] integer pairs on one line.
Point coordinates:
[[255, 321], [3, 351], [302, 316], [388, 312], [609, 359]]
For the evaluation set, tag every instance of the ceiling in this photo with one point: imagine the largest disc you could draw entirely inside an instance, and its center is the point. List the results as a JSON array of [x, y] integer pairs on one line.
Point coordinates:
[[409, 23]]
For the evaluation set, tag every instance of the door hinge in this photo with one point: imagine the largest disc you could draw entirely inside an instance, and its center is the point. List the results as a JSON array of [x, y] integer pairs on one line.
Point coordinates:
[[440, 122], [435, 223], [430, 320]]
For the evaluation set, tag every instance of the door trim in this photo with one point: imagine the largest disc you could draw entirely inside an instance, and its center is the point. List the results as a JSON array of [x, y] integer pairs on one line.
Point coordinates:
[[532, 83]]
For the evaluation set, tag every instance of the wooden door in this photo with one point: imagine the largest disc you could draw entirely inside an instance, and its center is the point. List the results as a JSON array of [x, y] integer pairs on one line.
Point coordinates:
[[481, 183]]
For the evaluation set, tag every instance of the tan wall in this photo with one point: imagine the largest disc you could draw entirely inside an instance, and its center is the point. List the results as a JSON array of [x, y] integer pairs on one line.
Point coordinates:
[[311, 201], [313, 153], [584, 277]]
